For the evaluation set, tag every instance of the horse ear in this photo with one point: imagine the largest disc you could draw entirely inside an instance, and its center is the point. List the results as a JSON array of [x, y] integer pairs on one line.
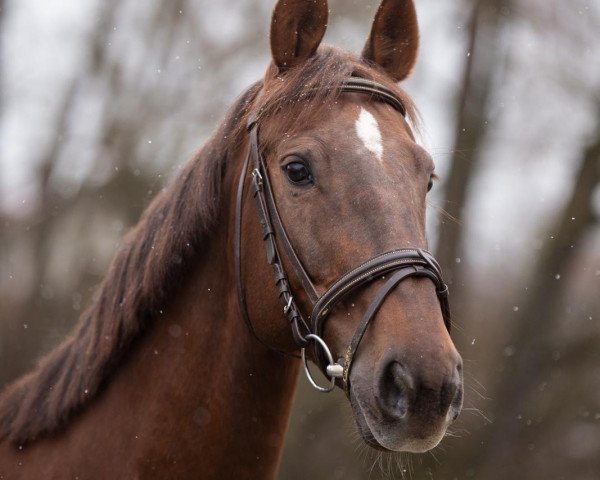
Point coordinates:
[[394, 40], [297, 28]]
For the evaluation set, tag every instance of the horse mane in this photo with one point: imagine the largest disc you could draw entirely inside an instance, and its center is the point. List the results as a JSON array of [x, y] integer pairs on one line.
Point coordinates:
[[160, 249]]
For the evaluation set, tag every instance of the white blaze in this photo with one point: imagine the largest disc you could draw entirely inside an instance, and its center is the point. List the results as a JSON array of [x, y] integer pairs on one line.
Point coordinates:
[[368, 131]]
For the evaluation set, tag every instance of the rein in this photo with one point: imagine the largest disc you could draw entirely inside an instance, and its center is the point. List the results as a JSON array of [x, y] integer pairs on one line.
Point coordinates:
[[400, 264]]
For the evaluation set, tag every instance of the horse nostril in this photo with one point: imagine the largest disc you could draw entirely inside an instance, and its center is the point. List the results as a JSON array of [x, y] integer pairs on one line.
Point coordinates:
[[404, 393], [448, 394], [456, 390], [395, 390]]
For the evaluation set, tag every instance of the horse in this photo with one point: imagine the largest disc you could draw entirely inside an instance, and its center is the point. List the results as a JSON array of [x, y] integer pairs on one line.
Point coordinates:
[[185, 363]]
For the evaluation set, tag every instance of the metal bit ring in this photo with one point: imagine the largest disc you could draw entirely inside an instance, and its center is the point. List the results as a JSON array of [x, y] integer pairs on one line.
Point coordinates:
[[323, 345]]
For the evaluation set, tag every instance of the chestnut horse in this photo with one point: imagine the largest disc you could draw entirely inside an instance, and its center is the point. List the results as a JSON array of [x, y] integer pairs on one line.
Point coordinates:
[[184, 366]]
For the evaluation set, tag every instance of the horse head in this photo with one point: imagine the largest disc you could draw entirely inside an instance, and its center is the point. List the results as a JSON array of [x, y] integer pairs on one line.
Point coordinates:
[[343, 186]]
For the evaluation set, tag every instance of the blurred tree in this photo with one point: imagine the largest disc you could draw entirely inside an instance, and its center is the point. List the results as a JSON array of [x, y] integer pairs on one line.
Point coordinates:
[[518, 396], [125, 88], [484, 61]]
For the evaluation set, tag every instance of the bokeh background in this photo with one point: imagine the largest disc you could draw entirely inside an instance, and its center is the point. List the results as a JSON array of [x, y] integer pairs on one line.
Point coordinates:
[[102, 101]]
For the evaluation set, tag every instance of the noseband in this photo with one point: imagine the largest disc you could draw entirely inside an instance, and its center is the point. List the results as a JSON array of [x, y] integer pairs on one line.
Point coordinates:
[[393, 266]]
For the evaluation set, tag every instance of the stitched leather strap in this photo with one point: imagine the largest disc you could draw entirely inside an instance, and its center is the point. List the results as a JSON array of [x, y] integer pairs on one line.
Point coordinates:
[[366, 273], [400, 275], [268, 215], [379, 92], [413, 262], [241, 294]]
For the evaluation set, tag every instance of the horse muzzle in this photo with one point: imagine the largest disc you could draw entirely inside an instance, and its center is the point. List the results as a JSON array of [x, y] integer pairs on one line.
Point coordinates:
[[402, 406]]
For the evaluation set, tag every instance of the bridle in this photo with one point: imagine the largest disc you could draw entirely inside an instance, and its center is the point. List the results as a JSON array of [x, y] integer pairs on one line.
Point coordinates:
[[395, 266]]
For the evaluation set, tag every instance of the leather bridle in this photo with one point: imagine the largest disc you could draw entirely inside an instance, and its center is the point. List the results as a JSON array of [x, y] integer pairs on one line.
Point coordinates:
[[395, 266]]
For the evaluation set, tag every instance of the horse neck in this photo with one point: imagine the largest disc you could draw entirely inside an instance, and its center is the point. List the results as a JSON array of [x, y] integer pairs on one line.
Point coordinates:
[[225, 399], [199, 395]]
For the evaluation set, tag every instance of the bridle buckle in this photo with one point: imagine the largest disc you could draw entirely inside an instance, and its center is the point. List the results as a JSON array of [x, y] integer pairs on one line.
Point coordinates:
[[257, 180], [286, 309]]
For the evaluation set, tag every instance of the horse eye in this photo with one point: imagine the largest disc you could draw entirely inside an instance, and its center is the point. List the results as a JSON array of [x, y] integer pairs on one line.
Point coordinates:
[[298, 173], [430, 184]]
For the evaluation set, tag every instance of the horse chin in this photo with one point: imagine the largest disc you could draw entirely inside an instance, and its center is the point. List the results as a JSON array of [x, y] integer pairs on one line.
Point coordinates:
[[388, 436]]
